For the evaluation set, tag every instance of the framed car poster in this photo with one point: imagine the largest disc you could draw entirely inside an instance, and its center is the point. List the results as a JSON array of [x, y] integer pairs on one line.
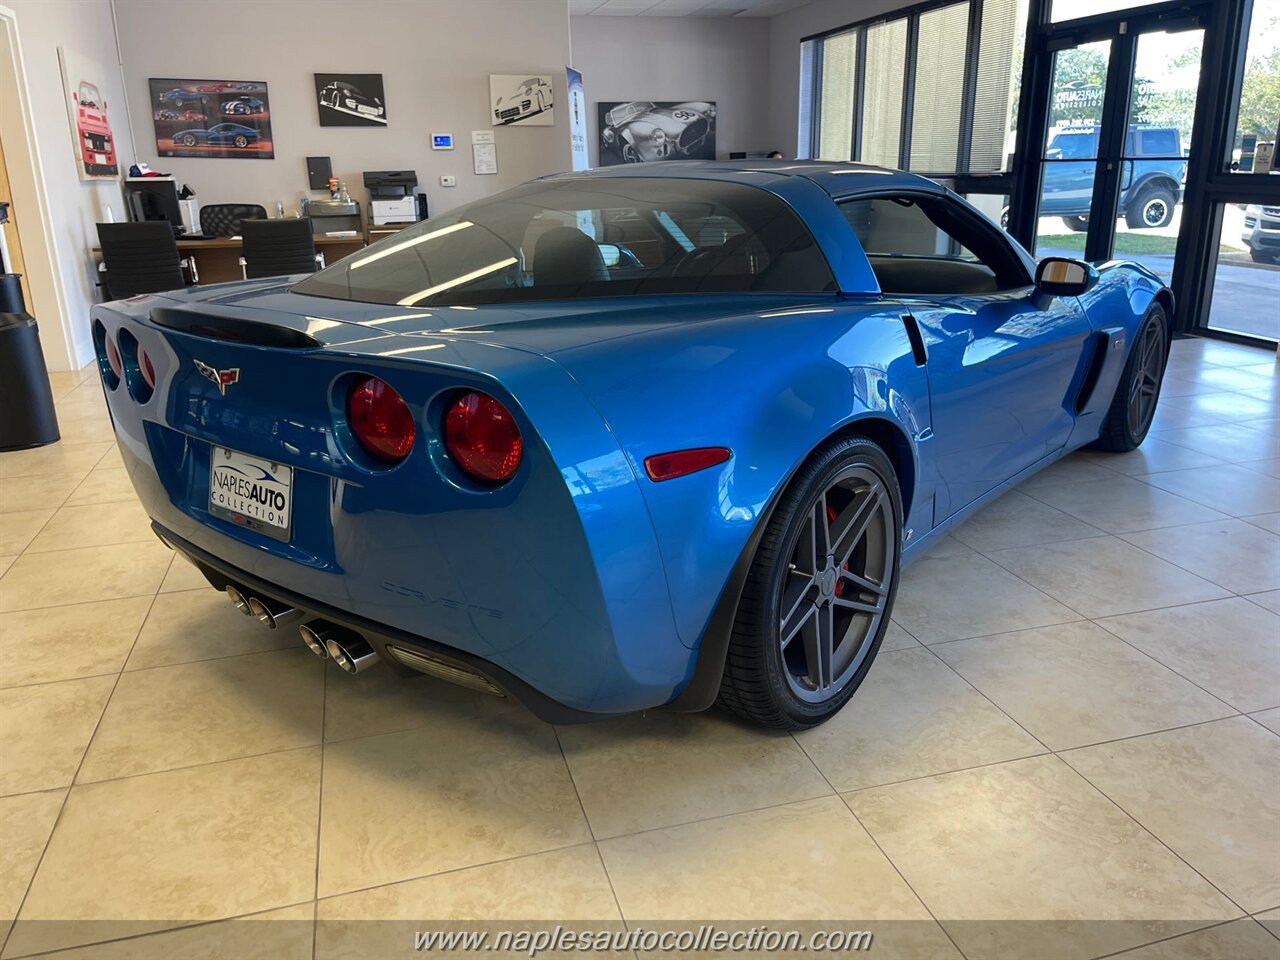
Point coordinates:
[[228, 119], [638, 131], [351, 100], [94, 144], [521, 100]]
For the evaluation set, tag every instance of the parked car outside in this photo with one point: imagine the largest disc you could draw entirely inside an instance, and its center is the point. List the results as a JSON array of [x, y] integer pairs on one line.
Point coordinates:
[[1151, 184], [1262, 233], [642, 131], [224, 134]]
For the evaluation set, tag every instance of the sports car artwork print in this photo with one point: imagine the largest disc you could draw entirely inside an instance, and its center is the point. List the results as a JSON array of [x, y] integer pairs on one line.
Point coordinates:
[[648, 436], [642, 130], [228, 119]]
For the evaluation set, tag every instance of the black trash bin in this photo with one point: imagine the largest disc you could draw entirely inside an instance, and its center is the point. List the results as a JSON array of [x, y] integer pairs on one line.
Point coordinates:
[[27, 417]]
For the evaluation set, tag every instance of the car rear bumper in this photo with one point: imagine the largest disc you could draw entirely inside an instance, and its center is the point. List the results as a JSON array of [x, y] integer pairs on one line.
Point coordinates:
[[388, 641]]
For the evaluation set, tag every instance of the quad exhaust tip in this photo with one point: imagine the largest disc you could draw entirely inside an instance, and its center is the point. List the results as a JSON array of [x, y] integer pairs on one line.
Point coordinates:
[[238, 600], [313, 635], [272, 612], [349, 650]]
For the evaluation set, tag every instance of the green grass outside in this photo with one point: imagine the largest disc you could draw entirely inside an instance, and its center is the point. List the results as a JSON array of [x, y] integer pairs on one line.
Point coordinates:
[[1125, 243]]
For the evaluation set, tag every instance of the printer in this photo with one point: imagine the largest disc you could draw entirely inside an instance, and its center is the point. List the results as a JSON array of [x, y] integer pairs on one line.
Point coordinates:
[[391, 198]]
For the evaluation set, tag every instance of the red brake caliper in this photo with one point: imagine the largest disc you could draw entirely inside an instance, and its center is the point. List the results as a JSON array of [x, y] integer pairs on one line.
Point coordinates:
[[831, 518]]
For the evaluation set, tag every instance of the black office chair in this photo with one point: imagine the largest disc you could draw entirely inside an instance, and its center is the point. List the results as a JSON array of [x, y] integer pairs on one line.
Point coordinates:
[[277, 248], [141, 258], [224, 219]]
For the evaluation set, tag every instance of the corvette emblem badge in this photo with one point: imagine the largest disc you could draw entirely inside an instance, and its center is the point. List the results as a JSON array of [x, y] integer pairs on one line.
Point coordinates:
[[222, 378]]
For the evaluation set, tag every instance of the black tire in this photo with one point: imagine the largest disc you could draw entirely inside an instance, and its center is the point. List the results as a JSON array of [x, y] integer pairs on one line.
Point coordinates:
[[188, 141], [1076, 224], [1152, 208], [852, 483], [1263, 256], [241, 141], [1125, 427]]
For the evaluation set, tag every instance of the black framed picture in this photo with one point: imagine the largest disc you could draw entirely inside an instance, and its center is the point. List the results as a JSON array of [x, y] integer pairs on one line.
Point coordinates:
[[351, 100]]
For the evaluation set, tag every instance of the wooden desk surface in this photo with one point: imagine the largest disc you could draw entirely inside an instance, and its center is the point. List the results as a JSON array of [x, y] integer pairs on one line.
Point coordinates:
[[218, 260]]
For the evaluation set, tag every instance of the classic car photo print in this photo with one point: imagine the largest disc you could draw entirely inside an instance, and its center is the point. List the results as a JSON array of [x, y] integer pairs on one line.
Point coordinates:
[[94, 145], [230, 119], [639, 131], [351, 100], [521, 100], [505, 456]]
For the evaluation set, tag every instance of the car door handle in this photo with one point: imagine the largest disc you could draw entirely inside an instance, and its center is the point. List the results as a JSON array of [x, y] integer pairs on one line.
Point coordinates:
[[917, 340]]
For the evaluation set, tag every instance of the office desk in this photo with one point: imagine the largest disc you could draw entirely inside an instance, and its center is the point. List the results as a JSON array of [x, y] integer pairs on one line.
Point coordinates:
[[218, 261]]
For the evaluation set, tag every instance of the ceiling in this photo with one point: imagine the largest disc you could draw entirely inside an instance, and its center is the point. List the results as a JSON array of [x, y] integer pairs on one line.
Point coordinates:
[[682, 8]]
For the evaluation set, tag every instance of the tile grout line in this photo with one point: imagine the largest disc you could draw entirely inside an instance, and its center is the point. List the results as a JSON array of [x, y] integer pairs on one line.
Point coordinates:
[[888, 859], [17, 913], [595, 842], [315, 884]]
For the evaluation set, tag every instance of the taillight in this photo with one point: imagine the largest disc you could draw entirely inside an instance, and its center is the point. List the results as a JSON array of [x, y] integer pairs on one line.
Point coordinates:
[[482, 437], [678, 463], [113, 357], [380, 420], [146, 369]]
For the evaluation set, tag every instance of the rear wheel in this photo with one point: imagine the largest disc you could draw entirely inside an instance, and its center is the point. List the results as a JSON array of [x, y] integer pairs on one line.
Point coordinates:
[[817, 599], [1152, 208], [1076, 224], [241, 141], [1138, 392]]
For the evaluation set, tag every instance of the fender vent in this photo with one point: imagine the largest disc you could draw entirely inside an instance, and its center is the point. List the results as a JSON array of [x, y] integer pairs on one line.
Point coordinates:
[[1095, 356]]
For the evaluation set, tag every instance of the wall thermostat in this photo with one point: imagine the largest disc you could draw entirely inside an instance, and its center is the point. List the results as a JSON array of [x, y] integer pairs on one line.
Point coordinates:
[[442, 141]]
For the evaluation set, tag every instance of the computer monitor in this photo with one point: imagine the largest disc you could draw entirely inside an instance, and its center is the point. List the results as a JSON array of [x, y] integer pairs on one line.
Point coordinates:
[[153, 198]]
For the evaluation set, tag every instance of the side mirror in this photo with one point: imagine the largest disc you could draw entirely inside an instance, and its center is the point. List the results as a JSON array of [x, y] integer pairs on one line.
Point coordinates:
[[1060, 277]]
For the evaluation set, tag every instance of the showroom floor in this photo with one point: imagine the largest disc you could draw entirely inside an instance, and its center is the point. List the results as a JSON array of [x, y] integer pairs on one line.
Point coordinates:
[[1067, 747]]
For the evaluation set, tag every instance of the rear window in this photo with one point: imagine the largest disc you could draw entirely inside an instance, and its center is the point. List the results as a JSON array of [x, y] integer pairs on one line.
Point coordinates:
[[588, 238]]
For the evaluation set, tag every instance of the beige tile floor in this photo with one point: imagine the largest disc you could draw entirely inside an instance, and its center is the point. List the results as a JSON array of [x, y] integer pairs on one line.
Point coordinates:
[[1069, 746]]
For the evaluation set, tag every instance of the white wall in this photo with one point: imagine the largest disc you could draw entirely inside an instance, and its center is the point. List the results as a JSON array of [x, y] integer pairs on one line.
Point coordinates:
[[785, 33], [680, 58], [74, 207], [435, 58]]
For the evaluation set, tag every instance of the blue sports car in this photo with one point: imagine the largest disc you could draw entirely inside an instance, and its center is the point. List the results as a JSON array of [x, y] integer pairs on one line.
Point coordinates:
[[241, 105], [222, 134], [654, 435]]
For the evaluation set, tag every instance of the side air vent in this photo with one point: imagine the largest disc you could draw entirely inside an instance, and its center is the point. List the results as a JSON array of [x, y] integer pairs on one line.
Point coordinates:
[[1096, 353], [214, 327]]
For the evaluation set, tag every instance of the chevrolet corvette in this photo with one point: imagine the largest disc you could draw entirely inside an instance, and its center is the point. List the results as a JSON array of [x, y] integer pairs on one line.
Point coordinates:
[[649, 436]]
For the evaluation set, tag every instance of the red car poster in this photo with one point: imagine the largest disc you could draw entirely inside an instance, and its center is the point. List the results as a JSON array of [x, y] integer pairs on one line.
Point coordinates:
[[95, 147], [230, 119]]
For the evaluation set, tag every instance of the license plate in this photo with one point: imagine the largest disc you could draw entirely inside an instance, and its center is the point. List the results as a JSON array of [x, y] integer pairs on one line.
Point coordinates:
[[251, 491]]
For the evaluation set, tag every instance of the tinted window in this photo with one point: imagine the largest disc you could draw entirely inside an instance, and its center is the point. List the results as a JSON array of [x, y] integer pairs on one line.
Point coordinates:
[[1073, 146], [900, 228], [588, 238], [1160, 143]]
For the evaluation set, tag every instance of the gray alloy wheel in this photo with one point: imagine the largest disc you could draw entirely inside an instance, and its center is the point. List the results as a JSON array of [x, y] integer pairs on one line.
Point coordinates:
[[836, 586], [188, 140], [817, 597], [241, 140], [1138, 393]]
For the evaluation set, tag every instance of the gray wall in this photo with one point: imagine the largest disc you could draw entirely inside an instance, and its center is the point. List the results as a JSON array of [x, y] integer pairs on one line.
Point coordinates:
[[681, 58], [74, 207], [785, 33], [435, 58]]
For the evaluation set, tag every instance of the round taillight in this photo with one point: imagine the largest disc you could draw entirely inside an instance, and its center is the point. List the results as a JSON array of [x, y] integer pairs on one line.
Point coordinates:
[[147, 370], [380, 420], [113, 357], [482, 437]]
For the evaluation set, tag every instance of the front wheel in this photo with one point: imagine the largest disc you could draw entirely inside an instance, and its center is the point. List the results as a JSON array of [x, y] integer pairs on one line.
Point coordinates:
[[817, 599], [1076, 224], [1263, 256], [1138, 392], [188, 140]]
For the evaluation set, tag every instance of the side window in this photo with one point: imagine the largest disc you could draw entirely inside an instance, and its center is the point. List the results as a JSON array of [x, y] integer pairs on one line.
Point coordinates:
[[932, 245], [1160, 143], [899, 227]]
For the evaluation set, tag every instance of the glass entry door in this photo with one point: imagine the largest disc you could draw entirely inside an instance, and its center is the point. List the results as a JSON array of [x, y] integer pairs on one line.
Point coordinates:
[[1118, 133]]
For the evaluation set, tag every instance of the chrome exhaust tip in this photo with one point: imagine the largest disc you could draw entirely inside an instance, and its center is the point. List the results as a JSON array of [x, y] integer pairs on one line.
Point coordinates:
[[351, 651], [272, 612], [314, 635], [238, 600]]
